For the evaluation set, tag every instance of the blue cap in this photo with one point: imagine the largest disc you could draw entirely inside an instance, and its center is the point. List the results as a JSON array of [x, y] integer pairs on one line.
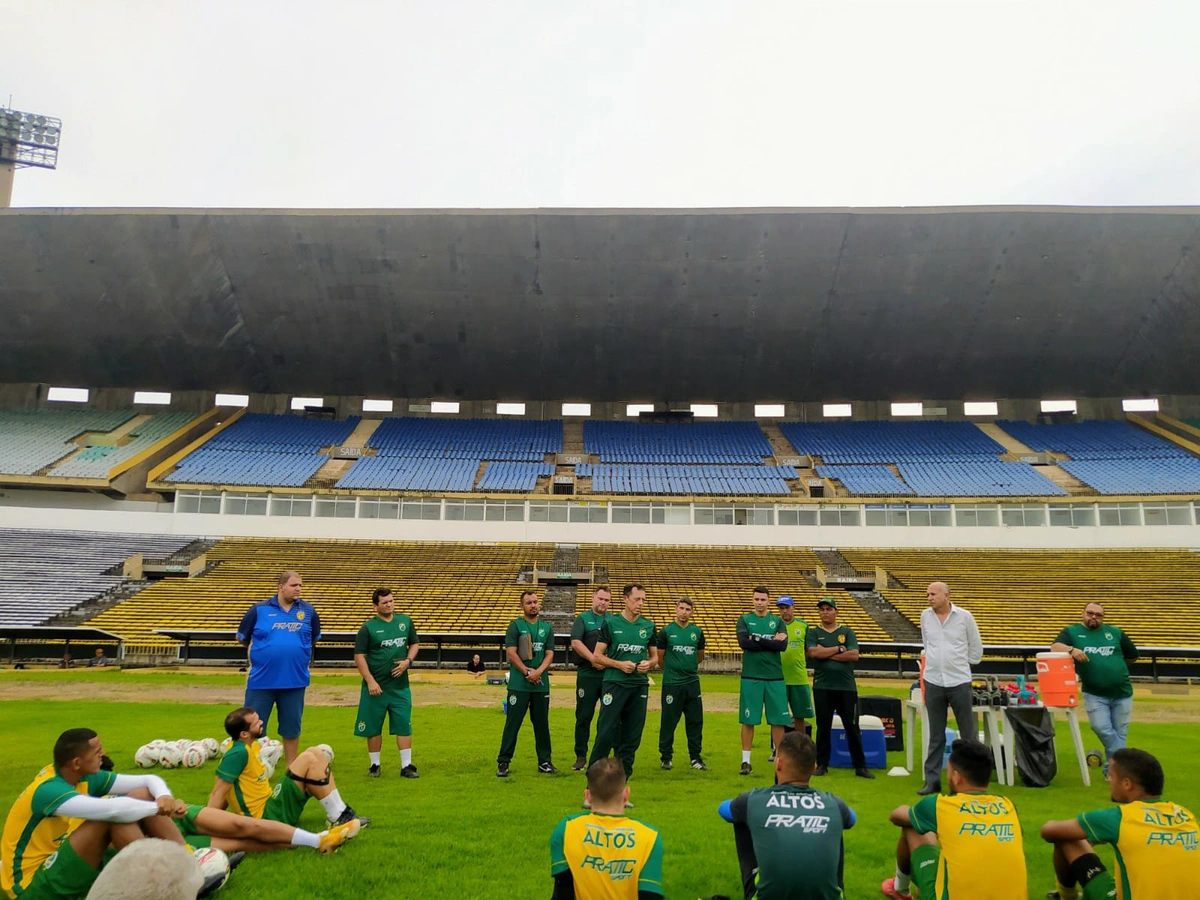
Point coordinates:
[[785, 600]]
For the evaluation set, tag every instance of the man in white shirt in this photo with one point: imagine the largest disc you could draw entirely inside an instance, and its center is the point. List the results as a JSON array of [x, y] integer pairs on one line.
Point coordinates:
[[952, 646]]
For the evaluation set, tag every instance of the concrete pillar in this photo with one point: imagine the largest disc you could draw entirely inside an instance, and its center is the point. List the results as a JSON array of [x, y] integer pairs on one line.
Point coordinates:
[[7, 173]]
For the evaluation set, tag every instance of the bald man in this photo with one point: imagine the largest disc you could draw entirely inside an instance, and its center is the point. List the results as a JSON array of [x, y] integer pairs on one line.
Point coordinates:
[[952, 646]]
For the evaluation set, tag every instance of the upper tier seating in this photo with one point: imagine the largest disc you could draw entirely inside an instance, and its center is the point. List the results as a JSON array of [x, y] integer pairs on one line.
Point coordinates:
[[274, 451], [96, 462], [890, 442], [978, 478], [405, 473], [45, 573], [746, 481], [513, 476], [30, 440], [693, 442], [871, 481]]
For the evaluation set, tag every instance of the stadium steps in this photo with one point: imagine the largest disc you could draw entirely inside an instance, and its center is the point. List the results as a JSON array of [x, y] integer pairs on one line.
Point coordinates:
[[558, 603], [781, 445], [833, 562], [483, 464], [1066, 481], [1004, 439], [573, 437], [333, 470], [896, 624]]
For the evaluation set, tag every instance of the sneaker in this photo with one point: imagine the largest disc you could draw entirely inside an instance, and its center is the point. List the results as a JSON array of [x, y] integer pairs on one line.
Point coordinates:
[[502, 770], [746, 769], [628, 805], [821, 770], [586, 805], [409, 771], [771, 758], [547, 768], [338, 835], [666, 764], [210, 885], [374, 771], [347, 815], [580, 764], [889, 890], [698, 763], [864, 773], [235, 859]]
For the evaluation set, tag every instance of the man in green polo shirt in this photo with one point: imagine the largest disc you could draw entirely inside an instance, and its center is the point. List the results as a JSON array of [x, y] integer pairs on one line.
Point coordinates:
[[795, 664], [760, 635], [1102, 654], [681, 646], [589, 674], [626, 650], [833, 651], [529, 643], [384, 650]]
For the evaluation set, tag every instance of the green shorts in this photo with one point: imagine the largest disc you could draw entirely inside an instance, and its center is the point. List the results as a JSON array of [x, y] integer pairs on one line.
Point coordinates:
[[65, 875], [191, 833], [926, 860], [396, 705], [800, 700], [286, 803], [1101, 887], [755, 694]]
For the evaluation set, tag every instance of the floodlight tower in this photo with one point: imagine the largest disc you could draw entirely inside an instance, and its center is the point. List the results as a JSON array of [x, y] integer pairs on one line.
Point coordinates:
[[26, 139]]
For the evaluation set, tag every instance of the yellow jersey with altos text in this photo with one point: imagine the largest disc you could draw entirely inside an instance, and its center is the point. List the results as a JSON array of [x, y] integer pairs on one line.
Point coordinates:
[[1156, 846], [982, 854]]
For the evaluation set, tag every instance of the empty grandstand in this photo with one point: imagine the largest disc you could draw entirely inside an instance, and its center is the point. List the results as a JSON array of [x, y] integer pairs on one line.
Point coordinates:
[[31, 440], [692, 442], [745, 481], [98, 460]]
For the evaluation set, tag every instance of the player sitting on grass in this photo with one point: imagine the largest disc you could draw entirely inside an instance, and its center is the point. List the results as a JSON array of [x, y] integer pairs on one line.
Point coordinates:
[[982, 856], [241, 784], [1156, 842]]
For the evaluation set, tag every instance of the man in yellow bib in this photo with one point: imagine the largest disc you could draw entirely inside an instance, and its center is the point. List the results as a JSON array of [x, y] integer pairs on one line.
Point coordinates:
[[981, 855], [1156, 843]]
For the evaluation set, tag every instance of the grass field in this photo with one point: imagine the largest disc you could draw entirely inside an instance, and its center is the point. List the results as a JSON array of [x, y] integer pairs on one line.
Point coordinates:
[[459, 831]]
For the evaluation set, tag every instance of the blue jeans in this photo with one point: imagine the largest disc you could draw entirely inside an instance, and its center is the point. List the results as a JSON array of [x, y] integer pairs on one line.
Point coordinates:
[[1110, 719]]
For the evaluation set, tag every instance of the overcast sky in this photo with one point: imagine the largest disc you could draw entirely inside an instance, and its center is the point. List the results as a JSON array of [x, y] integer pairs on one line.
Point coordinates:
[[656, 103]]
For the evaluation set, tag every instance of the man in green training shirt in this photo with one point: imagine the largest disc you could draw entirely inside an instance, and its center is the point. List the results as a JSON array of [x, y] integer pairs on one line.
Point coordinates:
[[795, 664], [384, 651], [1102, 654], [762, 639], [789, 835], [681, 646], [529, 643], [833, 649], [627, 652], [589, 674]]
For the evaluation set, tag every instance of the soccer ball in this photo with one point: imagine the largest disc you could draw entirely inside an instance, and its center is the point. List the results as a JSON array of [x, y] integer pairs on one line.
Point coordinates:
[[170, 757], [182, 744], [212, 862], [211, 747], [146, 756], [327, 750], [224, 746], [195, 756], [157, 745]]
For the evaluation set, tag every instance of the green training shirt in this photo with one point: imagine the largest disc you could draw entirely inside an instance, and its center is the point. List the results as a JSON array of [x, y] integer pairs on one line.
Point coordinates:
[[541, 640], [793, 660], [680, 646], [627, 640], [761, 664], [384, 644], [832, 674], [1106, 673], [587, 629]]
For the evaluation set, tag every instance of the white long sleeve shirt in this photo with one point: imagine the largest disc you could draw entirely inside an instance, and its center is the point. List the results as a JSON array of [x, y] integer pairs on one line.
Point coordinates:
[[951, 647]]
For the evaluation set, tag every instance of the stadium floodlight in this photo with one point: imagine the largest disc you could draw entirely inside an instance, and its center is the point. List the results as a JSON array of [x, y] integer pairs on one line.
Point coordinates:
[[510, 409], [908, 409], [768, 410], [302, 403], [704, 410], [152, 398], [1059, 406], [1147, 404], [836, 410], [981, 408], [444, 407], [634, 410], [241, 400], [29, 139], [577, 409], [68, 395], [385, 406]]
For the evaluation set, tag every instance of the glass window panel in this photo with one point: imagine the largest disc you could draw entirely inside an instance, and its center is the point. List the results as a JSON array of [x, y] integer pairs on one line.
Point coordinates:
[[598, 514], [187, 503], [789, 517], [1178, 514], [807, 515], [704, 515]]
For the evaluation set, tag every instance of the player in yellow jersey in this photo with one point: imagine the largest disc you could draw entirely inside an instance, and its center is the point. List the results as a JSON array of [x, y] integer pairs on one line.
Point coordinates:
[[603, 854], [1155, 842], [981, 854]]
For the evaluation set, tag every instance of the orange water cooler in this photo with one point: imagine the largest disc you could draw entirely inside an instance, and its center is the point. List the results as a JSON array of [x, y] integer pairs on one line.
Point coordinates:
[[1056, 680]]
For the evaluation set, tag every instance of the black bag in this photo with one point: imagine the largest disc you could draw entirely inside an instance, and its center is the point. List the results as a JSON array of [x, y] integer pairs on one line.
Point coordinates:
[[1033, 733]]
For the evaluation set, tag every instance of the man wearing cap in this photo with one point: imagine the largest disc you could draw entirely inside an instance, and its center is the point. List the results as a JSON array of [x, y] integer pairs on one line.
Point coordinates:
[[795, 664], [833, 650]]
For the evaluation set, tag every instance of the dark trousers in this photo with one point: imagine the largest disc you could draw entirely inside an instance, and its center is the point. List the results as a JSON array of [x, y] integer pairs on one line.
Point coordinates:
[[622, 718], [844, 704], [538, 706], [681, 699], [938, 700], [588, 683]]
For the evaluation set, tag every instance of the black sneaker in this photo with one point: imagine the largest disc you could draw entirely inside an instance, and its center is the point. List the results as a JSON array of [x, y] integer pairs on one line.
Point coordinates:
[[580, 764], [746, 769], [771, 758], [374, 771], [409, 771], [864, 773], [235, 859], [547, 768], [210, 885], [347, 815], [698, 763], [628, 805], [587, 805], [666, 764], [502, 770], [821, 770]]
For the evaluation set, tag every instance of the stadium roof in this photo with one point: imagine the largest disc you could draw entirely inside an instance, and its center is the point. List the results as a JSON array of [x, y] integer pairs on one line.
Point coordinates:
[[732, 305]]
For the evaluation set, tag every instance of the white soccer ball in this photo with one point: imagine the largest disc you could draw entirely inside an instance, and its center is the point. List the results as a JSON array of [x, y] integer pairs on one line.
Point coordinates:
[[158, 744], [224, 746], [182, 743], [211, 747], [170, 757], [212, 862], [146, 756], [195, 756]]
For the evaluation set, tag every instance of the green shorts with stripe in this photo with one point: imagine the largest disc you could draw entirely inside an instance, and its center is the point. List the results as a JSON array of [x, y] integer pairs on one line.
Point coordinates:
[[924, 866], [286, 803], [64, 875], [800, 699], [190, 831], [395, 704], [1102, 887], [755, 694]]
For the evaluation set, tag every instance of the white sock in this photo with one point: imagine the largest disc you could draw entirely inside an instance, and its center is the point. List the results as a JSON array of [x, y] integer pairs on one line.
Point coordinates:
[[406, 758], [306, 839], [902, 882], [745, 756], [334, 805], [374, 756]]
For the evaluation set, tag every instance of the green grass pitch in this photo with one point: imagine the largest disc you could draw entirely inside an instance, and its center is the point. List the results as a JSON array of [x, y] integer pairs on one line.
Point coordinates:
[[459, 831]]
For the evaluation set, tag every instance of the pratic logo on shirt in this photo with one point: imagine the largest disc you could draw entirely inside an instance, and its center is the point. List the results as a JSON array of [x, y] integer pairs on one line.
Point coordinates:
[[1002, 832], [807, 824], [394, 642], [630, 648], [537, 646], [1099, 651], [1185, 839], [615, 869], [286, 626], [686, 651]]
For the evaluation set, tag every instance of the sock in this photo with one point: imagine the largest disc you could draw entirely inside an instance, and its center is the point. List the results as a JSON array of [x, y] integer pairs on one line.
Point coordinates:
[[902, 881], [406, 758], [374, 757], [745, 756], [333, 805], [1067, 893], [303, 838]]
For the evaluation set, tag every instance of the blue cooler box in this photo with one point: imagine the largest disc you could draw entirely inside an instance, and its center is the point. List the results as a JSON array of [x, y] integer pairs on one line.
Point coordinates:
[[874, 743]]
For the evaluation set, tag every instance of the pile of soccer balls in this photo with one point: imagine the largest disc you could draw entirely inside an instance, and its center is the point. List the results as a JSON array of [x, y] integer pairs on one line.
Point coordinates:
[[173, 754]]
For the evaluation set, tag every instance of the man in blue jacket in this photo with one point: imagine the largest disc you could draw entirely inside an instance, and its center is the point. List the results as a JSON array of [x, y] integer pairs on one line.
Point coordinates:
[[280, 633]]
